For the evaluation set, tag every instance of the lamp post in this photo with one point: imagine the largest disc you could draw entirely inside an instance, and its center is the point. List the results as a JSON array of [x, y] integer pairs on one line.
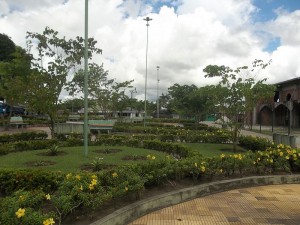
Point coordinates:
[[131, 94], [147, 19], [157, 101], [85, 126]]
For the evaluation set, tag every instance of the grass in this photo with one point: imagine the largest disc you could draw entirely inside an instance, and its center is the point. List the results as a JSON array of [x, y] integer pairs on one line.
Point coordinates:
[[74, 157], [210, 150]]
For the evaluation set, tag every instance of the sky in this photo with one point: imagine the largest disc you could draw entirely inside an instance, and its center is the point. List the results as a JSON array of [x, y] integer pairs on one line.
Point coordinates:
[[184, 36]]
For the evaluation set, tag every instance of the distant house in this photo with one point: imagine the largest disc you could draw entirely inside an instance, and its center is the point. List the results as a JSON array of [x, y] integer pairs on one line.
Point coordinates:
[[283, 109]]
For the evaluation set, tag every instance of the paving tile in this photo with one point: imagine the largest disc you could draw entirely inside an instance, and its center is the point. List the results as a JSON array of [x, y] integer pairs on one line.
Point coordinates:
[[265, 205]]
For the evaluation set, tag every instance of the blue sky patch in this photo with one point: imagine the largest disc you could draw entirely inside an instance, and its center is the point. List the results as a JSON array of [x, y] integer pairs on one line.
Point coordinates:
[[273, 44], [267, 8]]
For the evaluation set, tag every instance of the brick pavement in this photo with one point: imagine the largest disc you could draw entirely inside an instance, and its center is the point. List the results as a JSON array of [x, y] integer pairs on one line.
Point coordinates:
[[275, 204]]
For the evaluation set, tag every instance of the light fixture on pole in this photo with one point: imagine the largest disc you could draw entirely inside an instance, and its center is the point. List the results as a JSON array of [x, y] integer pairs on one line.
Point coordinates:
[[157, 101], [147, 19], [131, 94]]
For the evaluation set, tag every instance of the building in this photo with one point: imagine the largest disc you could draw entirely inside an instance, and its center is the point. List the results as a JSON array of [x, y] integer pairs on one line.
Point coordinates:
[[283, 109]]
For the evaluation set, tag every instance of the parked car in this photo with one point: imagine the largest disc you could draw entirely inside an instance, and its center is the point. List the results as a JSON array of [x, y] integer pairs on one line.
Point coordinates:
[[16, 110]]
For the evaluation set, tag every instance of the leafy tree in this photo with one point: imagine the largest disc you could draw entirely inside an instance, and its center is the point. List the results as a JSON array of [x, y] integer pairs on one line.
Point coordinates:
[[55, 59], [235, 95], [107, 94], [14, 75], [72, 105], [179, 98], [7, 48], [189, 100]]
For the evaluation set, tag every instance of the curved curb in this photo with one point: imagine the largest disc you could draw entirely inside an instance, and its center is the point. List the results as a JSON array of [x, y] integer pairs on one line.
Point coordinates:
[[133, 211]]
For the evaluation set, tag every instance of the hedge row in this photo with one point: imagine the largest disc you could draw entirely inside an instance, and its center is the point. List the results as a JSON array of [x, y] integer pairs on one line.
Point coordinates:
[[24, 136]]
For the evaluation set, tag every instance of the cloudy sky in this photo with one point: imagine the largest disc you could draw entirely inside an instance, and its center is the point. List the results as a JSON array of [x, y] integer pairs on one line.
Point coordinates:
[[184, 35]]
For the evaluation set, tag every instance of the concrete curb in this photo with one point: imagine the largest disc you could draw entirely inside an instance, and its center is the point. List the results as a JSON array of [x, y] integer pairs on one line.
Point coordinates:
[[133, 211]]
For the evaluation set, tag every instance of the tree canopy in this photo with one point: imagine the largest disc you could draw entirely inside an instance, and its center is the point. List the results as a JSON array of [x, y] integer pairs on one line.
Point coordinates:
[[235, 95]]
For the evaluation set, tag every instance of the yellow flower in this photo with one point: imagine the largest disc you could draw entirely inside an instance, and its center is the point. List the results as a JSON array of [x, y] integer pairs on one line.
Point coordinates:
[[48, 197], [222, 156], [114, 174], [94, 182], [91, 187], [153, 157], [281, 153], [22, 198], [81, 188], [78, 177], [287, 157], [49, 221], [271, 160], [94, 176], [126, 188], [20, 213], [203, 169], [221, 170], [196, 165], [69, 175]]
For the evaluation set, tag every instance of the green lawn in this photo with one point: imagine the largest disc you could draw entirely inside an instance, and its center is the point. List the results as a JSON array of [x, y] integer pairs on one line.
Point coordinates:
[[209, 150], [74, 157]]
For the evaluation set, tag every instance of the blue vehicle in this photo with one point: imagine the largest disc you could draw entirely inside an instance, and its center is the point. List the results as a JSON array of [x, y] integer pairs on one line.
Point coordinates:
[[16, 110]]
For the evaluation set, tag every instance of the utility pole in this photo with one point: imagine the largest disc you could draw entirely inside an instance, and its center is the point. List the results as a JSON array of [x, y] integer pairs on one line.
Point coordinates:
[[147, 19]]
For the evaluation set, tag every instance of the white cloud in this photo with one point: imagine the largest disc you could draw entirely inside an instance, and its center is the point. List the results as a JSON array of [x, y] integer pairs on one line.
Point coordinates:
[[182, 42]]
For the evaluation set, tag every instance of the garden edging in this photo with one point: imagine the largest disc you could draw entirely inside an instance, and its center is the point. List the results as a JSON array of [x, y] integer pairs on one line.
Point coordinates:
[[133, 211]]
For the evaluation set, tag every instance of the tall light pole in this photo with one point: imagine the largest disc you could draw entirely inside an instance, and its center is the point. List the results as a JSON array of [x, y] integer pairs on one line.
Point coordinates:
[[147, 19], [157, 101], [131, 94], [85, 125]]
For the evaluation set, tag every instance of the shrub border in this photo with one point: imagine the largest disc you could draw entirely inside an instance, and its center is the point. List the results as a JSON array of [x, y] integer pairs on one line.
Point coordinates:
[[133, 211]]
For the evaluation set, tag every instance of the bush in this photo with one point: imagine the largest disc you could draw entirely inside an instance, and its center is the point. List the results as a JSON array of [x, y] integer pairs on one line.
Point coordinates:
[[254, 143], [13, 180], [24, 136]]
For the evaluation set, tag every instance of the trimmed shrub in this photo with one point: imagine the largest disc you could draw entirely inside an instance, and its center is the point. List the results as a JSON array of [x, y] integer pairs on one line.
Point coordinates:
[[254, 143]]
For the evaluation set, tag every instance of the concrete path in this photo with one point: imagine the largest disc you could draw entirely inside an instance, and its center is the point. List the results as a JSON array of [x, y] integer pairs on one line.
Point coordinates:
[[276, 204]]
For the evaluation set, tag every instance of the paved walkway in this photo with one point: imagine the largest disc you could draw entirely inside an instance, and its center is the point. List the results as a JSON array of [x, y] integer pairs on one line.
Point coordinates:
[[275, 204]]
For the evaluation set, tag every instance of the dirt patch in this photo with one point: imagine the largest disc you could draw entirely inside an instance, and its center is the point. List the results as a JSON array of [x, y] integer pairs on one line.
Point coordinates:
[[107, 151], [134, 157], [92, 168], [39, 163], [60, 153]]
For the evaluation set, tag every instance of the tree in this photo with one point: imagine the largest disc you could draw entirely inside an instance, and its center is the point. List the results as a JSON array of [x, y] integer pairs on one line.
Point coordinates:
[[189, 100], [56, 58], [179, 101], [14, 75], [7, 48], [235, 95], [107, 94]]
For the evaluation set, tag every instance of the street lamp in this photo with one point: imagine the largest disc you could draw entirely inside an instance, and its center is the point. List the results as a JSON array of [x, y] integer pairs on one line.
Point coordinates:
[[147, 19], [131, 94], [157, 101]]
